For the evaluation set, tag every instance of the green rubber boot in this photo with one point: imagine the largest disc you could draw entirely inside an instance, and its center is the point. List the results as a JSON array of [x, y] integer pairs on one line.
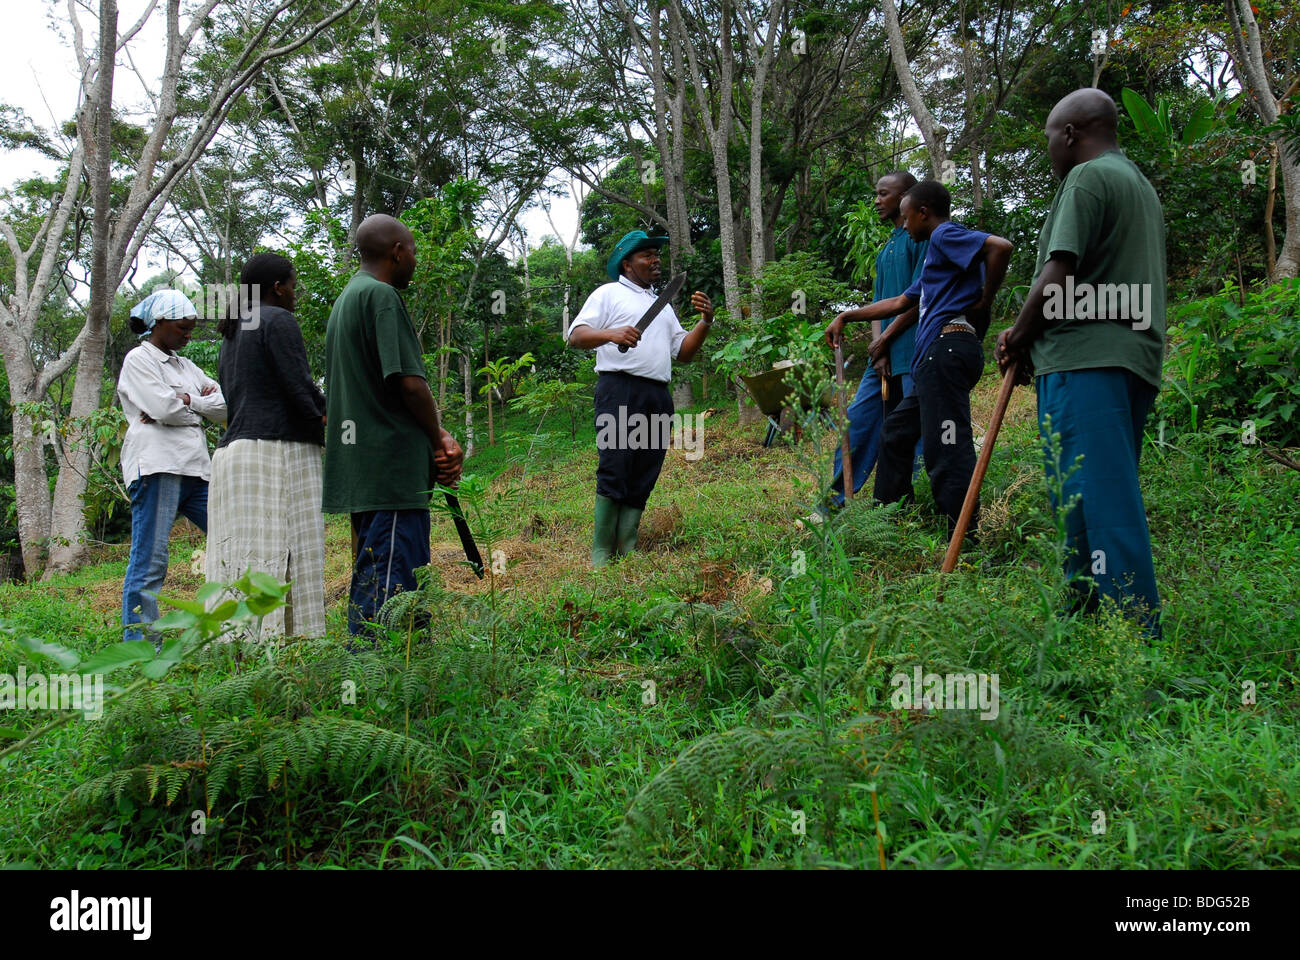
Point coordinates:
[[629, 523], [602, 544]]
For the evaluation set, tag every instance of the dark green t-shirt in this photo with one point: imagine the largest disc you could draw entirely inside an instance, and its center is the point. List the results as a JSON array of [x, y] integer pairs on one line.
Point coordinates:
[[376, 455], [1112, 314]]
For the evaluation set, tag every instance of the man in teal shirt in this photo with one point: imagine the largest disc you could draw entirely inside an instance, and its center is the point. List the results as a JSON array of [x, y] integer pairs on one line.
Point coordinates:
[[898, 265], [1093, 326]]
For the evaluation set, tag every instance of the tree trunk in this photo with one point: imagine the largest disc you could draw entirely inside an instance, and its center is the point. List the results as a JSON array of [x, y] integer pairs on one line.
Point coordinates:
[[1288, 262], [683, 395], [930, 130], [115, 237], [67, 519], [718, 128], [31, 488], [1247, 53], [444, 339], [763, 58], [467, 375]]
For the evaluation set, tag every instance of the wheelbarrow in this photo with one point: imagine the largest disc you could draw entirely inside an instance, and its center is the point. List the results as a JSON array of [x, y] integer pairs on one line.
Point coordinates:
[[769, 392]]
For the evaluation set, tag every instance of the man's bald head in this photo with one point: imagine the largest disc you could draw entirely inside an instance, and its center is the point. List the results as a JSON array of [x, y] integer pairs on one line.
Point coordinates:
[[387, 249], [1080, 127], [1089, 109]]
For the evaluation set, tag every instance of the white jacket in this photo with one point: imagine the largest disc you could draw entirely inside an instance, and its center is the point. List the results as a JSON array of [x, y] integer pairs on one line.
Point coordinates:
[[152, 382]]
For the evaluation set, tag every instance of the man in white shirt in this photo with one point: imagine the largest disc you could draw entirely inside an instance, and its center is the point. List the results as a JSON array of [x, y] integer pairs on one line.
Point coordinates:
[[632, 389], [165, 462]]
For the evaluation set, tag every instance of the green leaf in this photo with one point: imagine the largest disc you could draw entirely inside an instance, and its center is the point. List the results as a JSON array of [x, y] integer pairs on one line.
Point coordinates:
[[226, 610], [1144, 118], [189, 606], [155, 669], [267, 583], [1201, 122], [11, 733], [209, 591], [176, 620], [50, 651], [417, 846], [119, 655], [261, 605]]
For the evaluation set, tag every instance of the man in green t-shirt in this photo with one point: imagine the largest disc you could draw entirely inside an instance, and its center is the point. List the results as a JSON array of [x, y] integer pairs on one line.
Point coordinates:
[[1094, 328], [384, 446]]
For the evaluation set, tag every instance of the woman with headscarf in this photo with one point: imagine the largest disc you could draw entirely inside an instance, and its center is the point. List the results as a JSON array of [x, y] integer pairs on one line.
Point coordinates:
[[266, 474], [165, 398]]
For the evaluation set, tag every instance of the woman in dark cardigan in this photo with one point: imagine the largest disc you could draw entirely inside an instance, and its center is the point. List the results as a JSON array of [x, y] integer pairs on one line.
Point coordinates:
[[264, 501]]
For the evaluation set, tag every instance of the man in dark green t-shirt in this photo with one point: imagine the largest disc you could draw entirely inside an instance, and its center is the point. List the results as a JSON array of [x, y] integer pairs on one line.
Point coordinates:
[[1094, 328], [384, 446]]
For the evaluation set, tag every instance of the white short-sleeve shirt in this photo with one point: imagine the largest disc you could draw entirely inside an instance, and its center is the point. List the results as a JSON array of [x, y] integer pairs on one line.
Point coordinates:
[[622, 304]]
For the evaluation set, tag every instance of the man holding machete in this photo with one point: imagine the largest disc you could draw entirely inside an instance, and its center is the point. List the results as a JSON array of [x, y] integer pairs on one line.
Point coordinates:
[[1098, 369], [384, 446], [636, 339]]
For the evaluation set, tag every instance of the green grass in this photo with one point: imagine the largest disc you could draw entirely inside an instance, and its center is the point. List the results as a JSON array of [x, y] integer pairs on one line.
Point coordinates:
[[770, 655]]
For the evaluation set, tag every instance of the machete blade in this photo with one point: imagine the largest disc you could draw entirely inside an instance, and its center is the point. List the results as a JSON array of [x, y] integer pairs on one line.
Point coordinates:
[[670, 291]]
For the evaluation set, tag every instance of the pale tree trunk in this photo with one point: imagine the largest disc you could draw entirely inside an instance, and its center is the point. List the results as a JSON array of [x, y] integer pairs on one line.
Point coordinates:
[[931, 132], [578, 195], [31, 488], [487, 361], [764, 53], [18, 321], [678, 167], [116, 238], [669, 134], [67, 519], [444, 338], [969, 51], [1248, 56], [717, 126], [467, 375]]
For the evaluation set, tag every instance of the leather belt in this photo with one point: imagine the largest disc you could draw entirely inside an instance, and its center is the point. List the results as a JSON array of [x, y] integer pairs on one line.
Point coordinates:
[[957, 328]]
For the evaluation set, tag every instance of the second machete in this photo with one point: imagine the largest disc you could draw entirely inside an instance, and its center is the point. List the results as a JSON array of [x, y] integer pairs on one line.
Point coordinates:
[[472, 555], [670, 291]]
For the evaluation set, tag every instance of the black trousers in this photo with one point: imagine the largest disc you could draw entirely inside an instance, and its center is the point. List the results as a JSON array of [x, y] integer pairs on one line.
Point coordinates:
[[631, 447], [939, 415]]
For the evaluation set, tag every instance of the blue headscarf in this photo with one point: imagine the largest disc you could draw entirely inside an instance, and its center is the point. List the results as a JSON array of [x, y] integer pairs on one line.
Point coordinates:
[[163, 305]]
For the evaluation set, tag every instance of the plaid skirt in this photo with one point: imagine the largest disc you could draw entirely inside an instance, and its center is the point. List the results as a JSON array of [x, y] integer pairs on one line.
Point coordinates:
[[264, 513]]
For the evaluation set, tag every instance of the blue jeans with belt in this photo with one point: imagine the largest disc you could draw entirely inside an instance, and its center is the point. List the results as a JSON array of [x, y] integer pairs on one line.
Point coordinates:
[[155, 500]]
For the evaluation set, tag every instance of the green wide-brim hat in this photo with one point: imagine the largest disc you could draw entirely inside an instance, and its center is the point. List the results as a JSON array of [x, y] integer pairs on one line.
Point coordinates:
[[630, 244]]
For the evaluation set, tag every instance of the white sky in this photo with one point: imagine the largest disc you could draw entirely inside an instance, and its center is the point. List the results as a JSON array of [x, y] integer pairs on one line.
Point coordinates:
[[38, 74]]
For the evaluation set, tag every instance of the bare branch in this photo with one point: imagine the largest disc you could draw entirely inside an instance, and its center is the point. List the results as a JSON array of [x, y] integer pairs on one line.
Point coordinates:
[[147, 200], [79, 48], [62, 364], [54, 239], [126, 38]]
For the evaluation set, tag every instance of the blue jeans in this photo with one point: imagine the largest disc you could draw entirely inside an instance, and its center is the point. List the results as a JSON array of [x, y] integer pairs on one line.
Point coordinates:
[[867, 415], [388, 546], [1100, 415], [155, 501]]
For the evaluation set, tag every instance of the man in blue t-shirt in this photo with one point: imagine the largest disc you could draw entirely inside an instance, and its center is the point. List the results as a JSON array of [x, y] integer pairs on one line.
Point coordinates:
[[898, 265], [963, 270]]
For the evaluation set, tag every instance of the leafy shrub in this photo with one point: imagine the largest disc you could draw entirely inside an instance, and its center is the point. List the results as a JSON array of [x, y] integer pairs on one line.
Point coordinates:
[[1234, 357]]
